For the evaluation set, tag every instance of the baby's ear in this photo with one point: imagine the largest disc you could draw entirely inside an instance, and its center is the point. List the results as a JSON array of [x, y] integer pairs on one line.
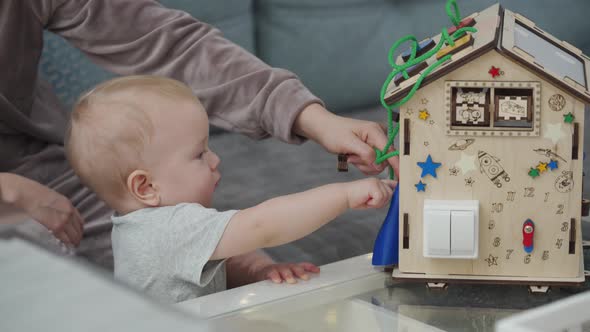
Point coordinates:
[[140, 186]]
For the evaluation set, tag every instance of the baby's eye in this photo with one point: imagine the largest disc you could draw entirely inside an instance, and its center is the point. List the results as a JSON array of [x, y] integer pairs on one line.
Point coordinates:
[[200, 155]]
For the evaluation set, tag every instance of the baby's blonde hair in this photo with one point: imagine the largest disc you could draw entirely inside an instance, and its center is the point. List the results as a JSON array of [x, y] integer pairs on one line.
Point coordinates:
[[109, 128]]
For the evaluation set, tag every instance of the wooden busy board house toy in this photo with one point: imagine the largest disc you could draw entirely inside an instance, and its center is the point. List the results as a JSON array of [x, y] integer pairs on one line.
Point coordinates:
[[491, 153]]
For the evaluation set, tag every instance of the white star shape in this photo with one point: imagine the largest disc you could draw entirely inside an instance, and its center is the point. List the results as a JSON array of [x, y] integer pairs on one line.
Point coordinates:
[[466, 163], [553, 132]]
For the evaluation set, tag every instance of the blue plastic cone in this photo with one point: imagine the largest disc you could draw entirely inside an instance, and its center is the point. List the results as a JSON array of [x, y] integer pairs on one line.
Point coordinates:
[[386, 248]]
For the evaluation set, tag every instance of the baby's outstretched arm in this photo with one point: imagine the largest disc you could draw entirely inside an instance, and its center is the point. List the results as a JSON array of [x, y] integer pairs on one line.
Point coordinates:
[[288, 218]]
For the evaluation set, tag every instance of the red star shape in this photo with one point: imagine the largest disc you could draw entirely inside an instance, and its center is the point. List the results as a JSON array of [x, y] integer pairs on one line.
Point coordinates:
[[494, 71]]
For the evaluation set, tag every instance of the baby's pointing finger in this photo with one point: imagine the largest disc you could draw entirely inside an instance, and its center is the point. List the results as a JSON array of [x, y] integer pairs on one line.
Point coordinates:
[[390, 183], [387, 189]]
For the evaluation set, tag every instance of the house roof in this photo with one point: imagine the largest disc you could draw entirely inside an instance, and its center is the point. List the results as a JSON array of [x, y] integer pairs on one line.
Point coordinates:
[[516, 37]]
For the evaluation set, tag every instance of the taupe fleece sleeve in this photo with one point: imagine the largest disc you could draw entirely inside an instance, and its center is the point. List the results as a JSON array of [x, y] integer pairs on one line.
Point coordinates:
[[240, 92]]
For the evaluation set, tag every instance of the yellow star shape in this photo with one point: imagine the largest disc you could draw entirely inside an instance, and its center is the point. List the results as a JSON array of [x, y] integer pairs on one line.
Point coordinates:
[[423, 114], [542, 167]]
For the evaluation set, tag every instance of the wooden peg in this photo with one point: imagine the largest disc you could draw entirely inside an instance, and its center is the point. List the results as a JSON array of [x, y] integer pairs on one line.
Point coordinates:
[[585, 207], [423, 47], [342, 162], [406, 137], [575, 141], [406, 238], [415, 69], [460, 44], [572, 242], [468, 22]]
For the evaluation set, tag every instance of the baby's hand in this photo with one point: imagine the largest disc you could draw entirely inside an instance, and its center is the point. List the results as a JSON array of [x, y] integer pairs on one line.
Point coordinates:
[[288, 272], [369, 193]]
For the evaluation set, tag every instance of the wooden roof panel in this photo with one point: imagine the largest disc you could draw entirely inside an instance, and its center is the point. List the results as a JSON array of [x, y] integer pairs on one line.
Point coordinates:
[[519, 38]]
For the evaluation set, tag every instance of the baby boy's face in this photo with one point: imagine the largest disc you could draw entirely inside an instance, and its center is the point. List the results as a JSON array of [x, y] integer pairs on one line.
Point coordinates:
[[182, 166]]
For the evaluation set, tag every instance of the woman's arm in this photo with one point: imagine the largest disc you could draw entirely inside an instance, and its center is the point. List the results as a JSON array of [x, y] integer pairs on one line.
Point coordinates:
[[239, 91]]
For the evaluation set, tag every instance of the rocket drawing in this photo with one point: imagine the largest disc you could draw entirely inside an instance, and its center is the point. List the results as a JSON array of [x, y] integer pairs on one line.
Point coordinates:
[[490, 166]]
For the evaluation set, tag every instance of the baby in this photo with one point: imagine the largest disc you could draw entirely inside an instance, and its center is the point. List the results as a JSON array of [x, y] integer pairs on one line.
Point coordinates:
[[141, 143]]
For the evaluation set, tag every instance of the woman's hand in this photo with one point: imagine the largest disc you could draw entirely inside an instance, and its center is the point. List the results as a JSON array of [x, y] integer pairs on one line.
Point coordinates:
[[48, 207], [341, 135]]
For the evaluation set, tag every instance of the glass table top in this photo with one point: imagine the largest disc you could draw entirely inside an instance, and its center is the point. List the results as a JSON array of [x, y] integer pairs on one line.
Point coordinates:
[[462, 307], [379, 303]]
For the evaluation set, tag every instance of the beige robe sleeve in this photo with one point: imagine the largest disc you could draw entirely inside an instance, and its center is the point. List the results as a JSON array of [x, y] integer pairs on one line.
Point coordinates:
[[239, 91]]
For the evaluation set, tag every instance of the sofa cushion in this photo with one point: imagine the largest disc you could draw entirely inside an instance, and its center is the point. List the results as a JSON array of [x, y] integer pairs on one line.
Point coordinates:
[[234, 18]]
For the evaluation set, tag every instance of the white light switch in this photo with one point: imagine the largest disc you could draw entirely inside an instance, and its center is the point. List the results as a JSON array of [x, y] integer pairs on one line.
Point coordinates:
[[437, 233], [463, 244], [451, 229]]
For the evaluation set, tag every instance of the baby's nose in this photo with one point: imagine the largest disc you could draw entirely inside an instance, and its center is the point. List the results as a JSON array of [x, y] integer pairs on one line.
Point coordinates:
[[214, 161]]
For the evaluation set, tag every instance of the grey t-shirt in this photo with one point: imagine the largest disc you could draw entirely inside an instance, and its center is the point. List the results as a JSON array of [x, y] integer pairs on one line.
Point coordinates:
[[165, 251]]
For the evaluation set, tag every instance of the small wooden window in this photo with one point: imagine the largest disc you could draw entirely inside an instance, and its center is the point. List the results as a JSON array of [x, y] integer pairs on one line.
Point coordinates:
[[470, 107], [493, 108], [513, 108]]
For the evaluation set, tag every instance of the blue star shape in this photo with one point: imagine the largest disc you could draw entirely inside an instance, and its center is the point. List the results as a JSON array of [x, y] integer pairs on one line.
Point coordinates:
[[552, 165], [428, 167], [420, 186]]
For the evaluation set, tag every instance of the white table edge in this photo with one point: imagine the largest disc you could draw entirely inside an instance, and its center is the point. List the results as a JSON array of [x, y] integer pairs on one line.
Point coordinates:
[[240, 298]]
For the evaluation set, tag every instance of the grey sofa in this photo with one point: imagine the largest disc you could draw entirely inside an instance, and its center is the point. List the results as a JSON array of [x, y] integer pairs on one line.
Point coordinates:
[[339, 49]]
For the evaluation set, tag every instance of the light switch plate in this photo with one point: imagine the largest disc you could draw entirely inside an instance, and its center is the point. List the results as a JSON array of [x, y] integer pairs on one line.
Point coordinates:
[[451, 229], [464, 234], [437, 233]]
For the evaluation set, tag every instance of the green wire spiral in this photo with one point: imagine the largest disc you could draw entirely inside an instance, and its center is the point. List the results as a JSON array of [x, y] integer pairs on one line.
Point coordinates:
[[453, 12]]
